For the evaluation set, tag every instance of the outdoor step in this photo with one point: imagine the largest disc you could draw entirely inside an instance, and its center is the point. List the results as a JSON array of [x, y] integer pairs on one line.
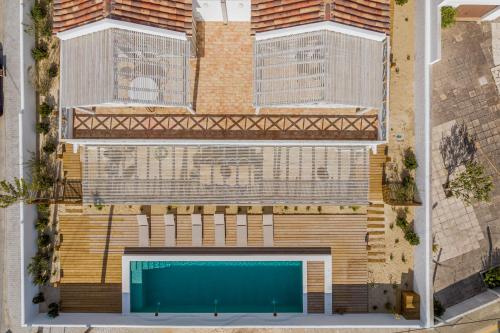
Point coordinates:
[[376, 253], [375, 219], [375, 226], [379, 240], [376, 260], [376, 246], [375, 233], [375, 212]]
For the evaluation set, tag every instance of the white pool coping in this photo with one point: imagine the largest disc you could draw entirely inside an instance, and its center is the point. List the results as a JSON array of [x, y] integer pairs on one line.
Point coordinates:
[[326, 259]]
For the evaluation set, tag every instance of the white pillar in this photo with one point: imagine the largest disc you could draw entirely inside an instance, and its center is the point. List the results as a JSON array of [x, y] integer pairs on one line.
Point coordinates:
[[328, 285], [304, 286]]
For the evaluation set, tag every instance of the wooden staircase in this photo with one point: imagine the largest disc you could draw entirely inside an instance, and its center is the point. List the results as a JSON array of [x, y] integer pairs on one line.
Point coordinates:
[[71, 189], [377, 163], [72, 166], [376, 233], [71, 210]]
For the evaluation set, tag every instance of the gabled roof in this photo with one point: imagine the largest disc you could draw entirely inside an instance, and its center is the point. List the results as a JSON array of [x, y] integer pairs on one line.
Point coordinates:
[[277, 14], [173, 15]]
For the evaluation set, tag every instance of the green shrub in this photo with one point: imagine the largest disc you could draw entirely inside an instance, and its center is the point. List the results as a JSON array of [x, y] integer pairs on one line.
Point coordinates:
[[41, 224], [492, 277], [472, 184], [46, 29], [401, 2], [49, 147], [43, 241], [38, 268], [43, 209], [53, 70], [448, 15], [39, 298], [439, 309], [38, 12], [43, 127], [401, 222], [412, 237], [45, 110], [53, 310], [40, 52], [44, 182], [410, 160], [406, 191]]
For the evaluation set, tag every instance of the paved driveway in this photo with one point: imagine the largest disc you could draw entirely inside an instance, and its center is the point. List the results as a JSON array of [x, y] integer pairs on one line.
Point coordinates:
[[464, 92]]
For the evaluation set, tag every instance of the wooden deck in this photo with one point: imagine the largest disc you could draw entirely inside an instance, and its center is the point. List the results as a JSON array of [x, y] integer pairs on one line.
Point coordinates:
[[92, 246], [72, 165], [315, 287]]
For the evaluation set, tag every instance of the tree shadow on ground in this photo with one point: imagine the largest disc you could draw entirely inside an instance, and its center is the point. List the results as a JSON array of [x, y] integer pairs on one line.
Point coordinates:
[[457, 148]]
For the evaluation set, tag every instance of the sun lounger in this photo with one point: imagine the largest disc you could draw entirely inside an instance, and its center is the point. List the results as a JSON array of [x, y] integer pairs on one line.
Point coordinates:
[[220, 229], [142, 221], [241, 230], [170, 233], [268, 229], [196, 229]]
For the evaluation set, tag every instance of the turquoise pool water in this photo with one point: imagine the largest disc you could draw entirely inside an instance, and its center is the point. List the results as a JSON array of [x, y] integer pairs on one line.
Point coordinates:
[[221, 286]]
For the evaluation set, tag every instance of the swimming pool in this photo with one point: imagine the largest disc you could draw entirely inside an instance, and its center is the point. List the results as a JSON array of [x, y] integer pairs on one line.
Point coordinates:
[[216, 286]]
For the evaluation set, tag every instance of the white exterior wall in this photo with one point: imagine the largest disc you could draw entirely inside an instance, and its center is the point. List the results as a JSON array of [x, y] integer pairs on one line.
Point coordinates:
[[435, 20], [212, 10]]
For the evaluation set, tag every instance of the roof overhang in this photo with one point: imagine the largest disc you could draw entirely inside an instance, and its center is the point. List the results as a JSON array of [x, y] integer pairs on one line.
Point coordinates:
[[324, 25], [107, 23]]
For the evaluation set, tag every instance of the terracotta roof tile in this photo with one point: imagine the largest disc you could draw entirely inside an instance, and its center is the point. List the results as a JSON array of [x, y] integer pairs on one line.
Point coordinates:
[[72, 13], [168, 14], [371, 15], [276, 14]]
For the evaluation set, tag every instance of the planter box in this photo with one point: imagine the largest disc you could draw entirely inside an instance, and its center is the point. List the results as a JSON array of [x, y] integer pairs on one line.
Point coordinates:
[[389, 191], [483, 273]]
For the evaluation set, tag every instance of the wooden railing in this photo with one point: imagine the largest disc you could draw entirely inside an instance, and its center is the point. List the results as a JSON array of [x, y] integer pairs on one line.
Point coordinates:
[[238, 127]]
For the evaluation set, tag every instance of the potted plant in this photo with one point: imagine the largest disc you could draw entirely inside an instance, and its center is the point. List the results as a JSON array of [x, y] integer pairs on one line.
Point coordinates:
[[39, 298], [53, 310]]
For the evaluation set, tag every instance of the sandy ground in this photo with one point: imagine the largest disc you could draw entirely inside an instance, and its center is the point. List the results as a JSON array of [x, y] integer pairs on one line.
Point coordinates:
[[386, 280]]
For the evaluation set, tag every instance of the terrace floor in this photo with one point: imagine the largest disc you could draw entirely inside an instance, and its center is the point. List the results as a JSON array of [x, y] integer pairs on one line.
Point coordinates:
[[92, 247], [92, 243]]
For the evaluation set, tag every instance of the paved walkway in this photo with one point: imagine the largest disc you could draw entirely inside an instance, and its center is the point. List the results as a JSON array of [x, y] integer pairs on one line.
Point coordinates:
[[464, 91], [9, 218]]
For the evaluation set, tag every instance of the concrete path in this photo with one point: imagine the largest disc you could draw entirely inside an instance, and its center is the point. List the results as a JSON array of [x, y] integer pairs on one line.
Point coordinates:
[[2, 176], [9, 167]]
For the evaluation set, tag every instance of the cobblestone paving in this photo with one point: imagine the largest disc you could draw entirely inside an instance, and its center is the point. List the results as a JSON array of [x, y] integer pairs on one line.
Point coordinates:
[[464, 90]]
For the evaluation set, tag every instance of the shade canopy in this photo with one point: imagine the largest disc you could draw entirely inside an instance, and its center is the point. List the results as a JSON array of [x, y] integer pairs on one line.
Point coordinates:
[[119, 67], [225, 174], [320, 68]]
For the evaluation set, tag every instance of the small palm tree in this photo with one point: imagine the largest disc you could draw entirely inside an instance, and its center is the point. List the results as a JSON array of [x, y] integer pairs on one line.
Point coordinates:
[[472, 184], [18, 190], [39, 269]]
